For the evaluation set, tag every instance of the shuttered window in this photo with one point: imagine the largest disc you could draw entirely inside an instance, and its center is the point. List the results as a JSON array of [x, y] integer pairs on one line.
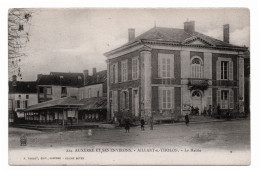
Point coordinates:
[[225, 69], [231, 99], [111, 73], [124, 100], [225, 98], [124, 70], [114, 73], [135, 68], [166, 98], [196, 68], [165, 65]]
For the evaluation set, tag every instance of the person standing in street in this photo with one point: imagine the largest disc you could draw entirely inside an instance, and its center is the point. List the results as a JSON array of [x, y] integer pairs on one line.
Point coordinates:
[[142, 124], [187, 120], [151, 122], [127, 125]]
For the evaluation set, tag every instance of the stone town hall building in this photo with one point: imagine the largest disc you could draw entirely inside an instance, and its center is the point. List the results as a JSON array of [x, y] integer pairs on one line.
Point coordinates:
[[165, 71]]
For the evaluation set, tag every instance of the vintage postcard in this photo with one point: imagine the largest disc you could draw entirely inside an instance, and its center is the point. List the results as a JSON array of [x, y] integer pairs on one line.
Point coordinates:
[[140, 86]]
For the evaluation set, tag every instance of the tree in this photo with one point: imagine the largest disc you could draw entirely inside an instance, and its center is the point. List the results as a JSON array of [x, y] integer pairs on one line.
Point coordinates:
[[19, 22]]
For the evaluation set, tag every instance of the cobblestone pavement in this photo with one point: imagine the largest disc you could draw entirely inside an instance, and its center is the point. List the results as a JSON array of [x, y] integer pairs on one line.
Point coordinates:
[[229, 135]]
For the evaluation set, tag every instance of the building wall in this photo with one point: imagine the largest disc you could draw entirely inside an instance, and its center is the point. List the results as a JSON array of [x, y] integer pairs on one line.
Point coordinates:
[[90, 91], [33, 99], [182, 94]]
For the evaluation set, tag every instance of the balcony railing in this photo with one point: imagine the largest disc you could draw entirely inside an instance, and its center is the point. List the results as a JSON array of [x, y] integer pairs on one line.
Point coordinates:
[[201, 84]]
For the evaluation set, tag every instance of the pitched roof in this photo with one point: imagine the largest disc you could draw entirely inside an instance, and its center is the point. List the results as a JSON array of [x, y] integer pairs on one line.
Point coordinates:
[[62, 79], [94, 103], [66, 101], [175, 35], [99, 77], [26, 87]]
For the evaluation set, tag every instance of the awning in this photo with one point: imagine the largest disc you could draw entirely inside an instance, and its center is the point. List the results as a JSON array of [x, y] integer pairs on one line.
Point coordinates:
[[62, 102], [94, 103]]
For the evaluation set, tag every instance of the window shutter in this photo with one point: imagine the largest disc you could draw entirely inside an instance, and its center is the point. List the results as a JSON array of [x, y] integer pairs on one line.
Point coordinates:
[[116, 73], [231, 99], [116, 101], [121, 100], [160, 98], [137, 67], [172, 98], [111, 73], [218, 69], [159, 66], [172, 66], [231, 70], [218, 97], [127, 100], [126, 70], [122, 73]]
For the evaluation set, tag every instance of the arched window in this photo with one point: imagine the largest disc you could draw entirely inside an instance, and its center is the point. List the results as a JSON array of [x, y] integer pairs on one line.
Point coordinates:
[[196, 94], [196, 68]]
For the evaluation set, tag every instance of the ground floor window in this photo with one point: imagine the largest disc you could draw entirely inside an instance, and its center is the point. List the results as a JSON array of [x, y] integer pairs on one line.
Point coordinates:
[[166, 99], [124, 100], [225, 99]]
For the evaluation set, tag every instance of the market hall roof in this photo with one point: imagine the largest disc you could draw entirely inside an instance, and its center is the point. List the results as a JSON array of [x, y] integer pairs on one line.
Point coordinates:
[[62, 79], [62, 102], [22, 87], [94, 103], [175, 36]]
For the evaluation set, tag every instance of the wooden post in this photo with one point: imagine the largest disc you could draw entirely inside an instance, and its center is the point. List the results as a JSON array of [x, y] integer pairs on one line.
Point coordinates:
[[62, 117], [58, 112], [77, 116]]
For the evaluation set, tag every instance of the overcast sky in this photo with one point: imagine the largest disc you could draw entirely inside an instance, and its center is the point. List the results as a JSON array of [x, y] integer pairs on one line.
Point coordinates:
[[71, 40]]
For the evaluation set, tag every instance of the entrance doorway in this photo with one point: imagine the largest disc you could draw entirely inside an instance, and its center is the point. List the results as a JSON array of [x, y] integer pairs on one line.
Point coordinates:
[[196, 100]]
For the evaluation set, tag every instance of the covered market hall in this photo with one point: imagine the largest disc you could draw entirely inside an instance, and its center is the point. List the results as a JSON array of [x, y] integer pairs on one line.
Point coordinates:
[[61, 111]]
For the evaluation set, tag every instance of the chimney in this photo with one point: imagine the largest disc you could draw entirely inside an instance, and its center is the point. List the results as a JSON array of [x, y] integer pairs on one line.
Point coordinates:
[[226, 33], [189, 26], [14, 80], [131, 34], [85, 73], [39, 76], [94, 71]]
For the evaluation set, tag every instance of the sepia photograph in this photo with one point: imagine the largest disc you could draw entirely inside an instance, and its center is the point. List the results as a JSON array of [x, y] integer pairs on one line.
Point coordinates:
[[129, 86]]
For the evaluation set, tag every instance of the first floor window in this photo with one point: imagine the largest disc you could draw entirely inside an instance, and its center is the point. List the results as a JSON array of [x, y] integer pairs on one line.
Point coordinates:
[[166, 99], [17, 103], [49, 90], [25, 104], [124, 70], [135, 68], [63, 90], [224, 70], [165, 65]]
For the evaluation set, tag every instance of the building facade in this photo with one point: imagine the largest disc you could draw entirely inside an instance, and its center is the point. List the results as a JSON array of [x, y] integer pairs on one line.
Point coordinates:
[[88, 92], [21, 95], [166, 71]]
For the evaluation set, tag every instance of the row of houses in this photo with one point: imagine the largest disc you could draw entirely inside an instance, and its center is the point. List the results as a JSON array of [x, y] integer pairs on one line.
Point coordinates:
[[60, 98], [161, 73]]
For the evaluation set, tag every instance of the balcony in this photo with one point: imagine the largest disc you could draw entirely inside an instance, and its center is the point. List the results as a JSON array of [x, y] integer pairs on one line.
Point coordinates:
[[196, 83]]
